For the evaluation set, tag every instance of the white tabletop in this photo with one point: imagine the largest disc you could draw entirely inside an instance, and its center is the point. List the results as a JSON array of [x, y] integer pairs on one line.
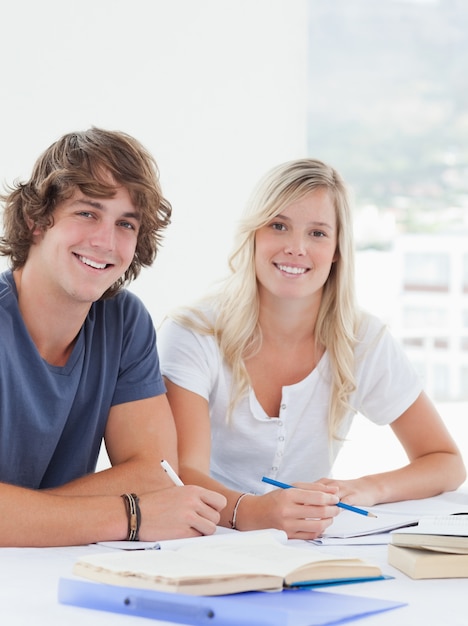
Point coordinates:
[[29, 580]]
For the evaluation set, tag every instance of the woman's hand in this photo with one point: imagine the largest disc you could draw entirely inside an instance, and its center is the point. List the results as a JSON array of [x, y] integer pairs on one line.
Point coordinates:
[[303, 512], [358, 491]]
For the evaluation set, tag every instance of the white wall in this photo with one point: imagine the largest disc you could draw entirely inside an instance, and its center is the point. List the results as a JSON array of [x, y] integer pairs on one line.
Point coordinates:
[[216, 89]]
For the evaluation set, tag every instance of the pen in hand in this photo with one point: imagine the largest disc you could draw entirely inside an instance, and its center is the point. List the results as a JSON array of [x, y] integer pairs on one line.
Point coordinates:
[[342, 505], [172, 475]]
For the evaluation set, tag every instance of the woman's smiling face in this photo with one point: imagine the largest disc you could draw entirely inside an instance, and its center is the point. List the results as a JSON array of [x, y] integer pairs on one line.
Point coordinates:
[[295, 251]]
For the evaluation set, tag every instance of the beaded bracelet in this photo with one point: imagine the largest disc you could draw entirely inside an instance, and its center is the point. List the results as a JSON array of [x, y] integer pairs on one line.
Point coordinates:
[[234, 511], [134, 515]]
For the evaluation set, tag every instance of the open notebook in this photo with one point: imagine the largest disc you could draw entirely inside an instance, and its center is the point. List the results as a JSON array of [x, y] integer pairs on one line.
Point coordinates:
[[228, 563], [348, 525]]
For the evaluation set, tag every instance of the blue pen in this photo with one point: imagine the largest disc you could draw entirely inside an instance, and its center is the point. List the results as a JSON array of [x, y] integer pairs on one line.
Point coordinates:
[[342, 505]]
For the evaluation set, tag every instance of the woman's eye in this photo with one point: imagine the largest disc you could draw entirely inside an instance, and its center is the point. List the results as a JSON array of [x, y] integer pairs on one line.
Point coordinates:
[[278, 226]]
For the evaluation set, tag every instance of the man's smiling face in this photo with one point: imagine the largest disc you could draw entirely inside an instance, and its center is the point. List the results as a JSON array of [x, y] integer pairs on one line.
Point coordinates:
[[89, 247]]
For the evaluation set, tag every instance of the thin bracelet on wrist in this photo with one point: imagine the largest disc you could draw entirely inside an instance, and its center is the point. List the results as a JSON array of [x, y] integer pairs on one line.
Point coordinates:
[[236, 506]]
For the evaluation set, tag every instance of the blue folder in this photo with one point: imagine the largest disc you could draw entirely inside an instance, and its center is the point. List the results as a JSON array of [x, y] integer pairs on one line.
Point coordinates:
[[289, 607]]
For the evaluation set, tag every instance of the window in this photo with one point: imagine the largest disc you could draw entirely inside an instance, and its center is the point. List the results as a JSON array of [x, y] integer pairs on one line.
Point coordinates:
[[426, 271], [387, 101]]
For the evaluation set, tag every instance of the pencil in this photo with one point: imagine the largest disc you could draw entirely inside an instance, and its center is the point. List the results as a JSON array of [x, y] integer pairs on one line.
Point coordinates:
[[342, 505], [355, 509], [170, 472]]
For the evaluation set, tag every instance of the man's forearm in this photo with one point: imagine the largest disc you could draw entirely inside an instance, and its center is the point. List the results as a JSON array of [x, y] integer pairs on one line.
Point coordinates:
[[131, 476], [38, 518]]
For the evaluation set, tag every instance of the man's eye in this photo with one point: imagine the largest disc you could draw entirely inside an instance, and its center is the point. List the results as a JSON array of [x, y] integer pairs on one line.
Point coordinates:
[[128, 225]]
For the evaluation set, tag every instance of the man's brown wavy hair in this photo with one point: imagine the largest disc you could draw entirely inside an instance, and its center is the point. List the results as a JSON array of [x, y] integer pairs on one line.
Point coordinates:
[[95, 161]]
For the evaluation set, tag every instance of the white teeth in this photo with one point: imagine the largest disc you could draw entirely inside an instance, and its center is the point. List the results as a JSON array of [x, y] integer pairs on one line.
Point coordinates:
[[291, 270], [98, 266]]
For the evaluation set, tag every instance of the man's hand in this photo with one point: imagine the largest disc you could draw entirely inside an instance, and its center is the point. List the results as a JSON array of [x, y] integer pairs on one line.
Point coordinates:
[[178, 512]]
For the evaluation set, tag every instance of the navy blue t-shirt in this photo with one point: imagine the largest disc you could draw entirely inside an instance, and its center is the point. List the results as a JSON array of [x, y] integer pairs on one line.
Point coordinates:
[[52, 419]]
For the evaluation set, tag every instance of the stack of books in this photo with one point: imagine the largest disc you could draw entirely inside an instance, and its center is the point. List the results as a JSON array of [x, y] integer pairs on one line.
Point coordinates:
[[436, 548]]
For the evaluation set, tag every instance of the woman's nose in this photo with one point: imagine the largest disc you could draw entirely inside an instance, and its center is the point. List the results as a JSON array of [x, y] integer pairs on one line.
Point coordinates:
[[295, 244]]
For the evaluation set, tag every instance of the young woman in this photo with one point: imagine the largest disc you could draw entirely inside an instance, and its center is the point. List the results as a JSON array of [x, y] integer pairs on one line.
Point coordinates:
[[265, 376]]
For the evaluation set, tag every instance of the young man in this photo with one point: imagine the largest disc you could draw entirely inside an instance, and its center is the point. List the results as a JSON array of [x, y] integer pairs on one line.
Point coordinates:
[[78, 355]]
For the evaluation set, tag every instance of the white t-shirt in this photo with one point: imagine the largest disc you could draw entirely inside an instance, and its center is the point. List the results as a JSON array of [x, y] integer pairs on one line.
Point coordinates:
[[292, 447]]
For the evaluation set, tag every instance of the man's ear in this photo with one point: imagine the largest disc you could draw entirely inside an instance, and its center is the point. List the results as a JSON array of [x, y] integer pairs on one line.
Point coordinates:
[[36, 231], [32, 226]]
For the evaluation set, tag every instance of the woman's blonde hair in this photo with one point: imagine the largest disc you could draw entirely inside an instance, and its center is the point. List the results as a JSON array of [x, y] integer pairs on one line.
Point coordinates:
[[236, 326]]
